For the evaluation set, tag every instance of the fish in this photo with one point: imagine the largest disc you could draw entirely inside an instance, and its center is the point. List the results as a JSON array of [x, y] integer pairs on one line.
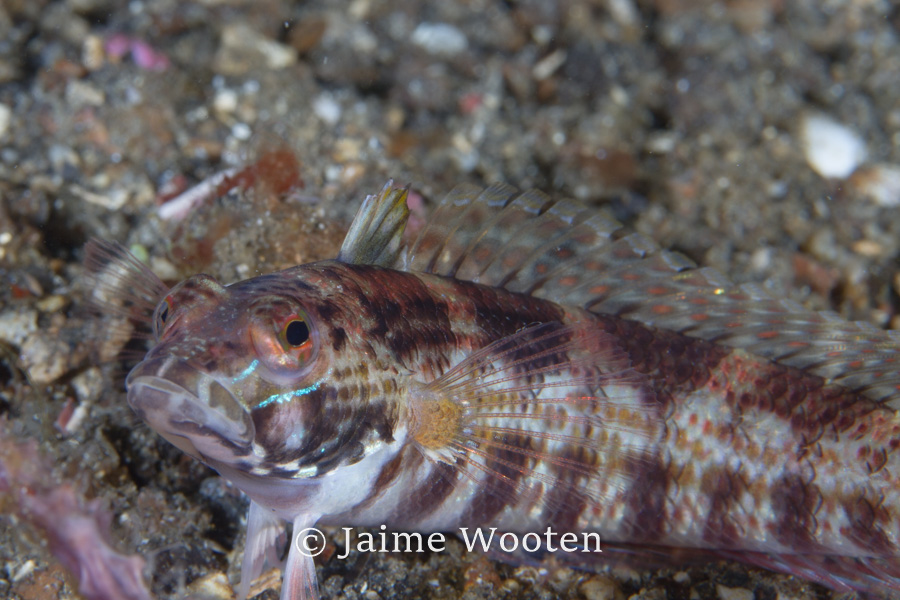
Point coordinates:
[[524, 364]]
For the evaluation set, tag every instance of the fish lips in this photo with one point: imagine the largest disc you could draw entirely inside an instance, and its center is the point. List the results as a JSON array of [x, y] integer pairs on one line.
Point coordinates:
[[191, 409]]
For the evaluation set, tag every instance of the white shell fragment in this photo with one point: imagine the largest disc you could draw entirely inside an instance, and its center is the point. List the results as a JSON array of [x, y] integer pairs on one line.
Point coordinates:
[[832, 150], [880, 182], [440, 38]]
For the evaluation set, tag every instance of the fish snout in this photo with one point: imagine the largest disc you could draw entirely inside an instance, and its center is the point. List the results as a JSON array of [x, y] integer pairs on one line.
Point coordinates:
[[190, 408]]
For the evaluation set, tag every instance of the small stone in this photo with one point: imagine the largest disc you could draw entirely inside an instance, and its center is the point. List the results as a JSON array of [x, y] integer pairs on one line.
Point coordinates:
[[243, 49], [625, 13], [347, 149], [92, 54], [51, 303], [88, 385], [326, 108], [225, 102], [17, 325], [601, 588], [440, 39], [729, 593], [44, 357], [112, 199], [681, 577], [241, 131], [5, 119], [832, 150], [548, 65], [881, 183], [868, 248], [213, 586], [80, 93]]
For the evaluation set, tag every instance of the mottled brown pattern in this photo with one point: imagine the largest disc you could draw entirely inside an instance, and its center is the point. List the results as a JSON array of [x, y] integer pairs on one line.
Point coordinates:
[[645, 517], [724, 489], [796, 503], [677, 364], [508, 466]]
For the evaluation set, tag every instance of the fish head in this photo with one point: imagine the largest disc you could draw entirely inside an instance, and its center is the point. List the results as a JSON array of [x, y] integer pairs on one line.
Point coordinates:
[[183, 388], [242, 379]]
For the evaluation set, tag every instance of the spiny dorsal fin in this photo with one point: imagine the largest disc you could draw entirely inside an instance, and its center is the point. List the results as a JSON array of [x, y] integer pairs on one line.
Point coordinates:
[[560, 251], [375, 234]]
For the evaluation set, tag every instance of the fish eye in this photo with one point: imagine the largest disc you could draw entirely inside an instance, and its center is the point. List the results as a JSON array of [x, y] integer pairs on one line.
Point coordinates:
[[296, 332], [286, 341], [163, 311]]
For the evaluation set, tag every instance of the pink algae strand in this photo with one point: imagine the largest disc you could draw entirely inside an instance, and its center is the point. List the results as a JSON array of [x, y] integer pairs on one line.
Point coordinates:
[[76, 530]]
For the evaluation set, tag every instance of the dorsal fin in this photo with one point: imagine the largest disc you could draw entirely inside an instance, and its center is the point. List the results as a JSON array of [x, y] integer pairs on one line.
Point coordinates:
[[375, 235], [561, 251]]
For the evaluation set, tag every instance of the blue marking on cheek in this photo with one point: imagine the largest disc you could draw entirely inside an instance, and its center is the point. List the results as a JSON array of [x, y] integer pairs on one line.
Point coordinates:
[[287, 396], [246, 372]]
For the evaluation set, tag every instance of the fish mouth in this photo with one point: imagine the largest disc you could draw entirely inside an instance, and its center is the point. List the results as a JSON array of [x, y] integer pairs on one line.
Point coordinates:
[[191, 409]]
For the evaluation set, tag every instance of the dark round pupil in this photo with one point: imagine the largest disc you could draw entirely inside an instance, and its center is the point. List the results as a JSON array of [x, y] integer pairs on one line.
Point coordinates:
[[297, 333]]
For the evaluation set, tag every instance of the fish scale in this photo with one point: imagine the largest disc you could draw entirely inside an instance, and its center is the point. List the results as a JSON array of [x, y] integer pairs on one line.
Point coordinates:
[[522, 364]]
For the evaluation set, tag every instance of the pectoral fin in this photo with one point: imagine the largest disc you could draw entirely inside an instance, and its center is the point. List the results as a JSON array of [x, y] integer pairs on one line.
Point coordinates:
[[551, 402]]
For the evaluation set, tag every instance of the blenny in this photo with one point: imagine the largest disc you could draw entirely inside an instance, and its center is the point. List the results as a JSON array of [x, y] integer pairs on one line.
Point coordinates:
[[523, 364]]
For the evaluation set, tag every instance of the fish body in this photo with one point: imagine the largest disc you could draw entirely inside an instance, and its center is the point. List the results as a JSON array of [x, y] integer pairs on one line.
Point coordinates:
[[520, 365]]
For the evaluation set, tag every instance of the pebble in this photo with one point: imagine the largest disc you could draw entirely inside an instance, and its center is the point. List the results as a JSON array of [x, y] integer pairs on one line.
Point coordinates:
[[226, 101], [440, 39], [112, 199], [548, 65], [80, 93], [88, 385], [832, 150], [625, 13], [600, 588], [868, 248], [327, 109], [5, 119], [880, 183], [243, 49], [729, 593], [51, 303], [16, 325], [44, 357], [213, 586], [92, 54]]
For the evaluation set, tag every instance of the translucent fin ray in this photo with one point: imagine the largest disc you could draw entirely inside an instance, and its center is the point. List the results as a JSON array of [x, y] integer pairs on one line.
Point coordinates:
[[376, 232], [262, 534], [549, 404], [120, 284], [300, 581]]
